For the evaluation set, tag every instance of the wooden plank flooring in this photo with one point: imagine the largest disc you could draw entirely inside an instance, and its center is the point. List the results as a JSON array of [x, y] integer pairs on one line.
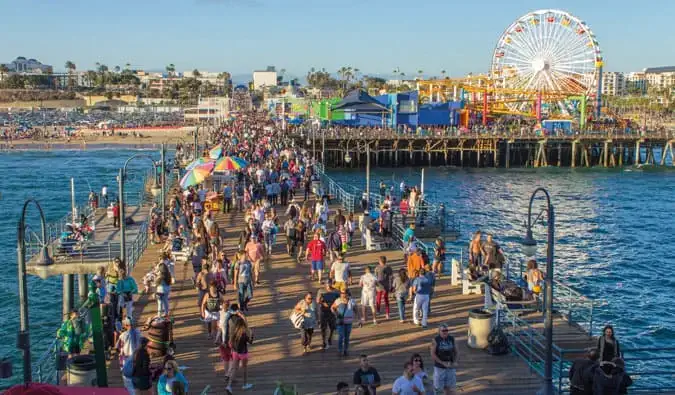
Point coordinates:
[[277, 353]]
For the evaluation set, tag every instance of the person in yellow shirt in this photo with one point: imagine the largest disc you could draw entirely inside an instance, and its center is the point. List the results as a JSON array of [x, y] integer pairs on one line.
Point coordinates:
[[415, 262]]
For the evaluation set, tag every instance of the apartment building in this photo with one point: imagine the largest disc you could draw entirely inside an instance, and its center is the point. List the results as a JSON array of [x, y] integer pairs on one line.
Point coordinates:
[[613, 83]]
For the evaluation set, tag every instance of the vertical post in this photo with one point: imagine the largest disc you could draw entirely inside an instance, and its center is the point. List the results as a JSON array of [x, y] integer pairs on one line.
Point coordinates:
[[538, 107], [23, 340], [598, 94], [123, 238], [637, 153], [67, 304], [582, 113], [548, 323], [485, 107], [368, 174], [323, 147], [508, 154], [163, 180], [196, 150], [574, 154], [422, 183], [82, 287]]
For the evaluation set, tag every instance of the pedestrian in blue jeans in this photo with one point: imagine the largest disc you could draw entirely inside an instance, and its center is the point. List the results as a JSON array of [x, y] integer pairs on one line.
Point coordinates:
[[345, 312], [400, 288]]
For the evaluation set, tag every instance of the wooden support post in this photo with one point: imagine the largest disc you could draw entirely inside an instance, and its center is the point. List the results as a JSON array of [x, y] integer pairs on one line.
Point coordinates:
[[559, 154], [495, 147], [621, 152], [508, 154], [637, 153], [461, 157], [574, 154], [584, 157], [396, 154], [605, 153]]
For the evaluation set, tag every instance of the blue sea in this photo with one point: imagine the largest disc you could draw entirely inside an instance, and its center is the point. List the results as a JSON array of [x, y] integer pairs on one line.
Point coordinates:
[[613, 230], [613, 238], [45, 176]]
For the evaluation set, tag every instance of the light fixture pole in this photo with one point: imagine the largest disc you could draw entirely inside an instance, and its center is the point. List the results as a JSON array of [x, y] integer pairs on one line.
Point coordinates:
[[196, 147], [23, 341], [529, 247], [368, 174], [121, 178]]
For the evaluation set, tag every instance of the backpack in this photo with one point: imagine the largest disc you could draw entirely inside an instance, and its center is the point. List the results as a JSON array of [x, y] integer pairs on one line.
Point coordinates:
[[128, 367], [244, 272], [176, 244]]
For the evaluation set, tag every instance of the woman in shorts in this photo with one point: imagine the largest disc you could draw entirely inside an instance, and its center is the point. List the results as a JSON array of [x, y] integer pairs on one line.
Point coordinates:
[[240, 337]]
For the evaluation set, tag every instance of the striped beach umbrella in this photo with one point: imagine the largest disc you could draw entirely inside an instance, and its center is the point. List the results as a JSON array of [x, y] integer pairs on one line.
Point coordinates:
[[198, 162], [229, 163], [216, 152], [197, 175]]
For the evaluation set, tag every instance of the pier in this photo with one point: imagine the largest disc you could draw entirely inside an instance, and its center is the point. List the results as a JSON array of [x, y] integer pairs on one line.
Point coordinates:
[[498, 150]]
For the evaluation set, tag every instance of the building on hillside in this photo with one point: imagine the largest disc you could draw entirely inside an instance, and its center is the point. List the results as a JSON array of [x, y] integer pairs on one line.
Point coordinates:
[[208, 76], [159, 81], [28, 66], [613, 83], [264, 78], [636, 83], [209, 109], [660, 77]]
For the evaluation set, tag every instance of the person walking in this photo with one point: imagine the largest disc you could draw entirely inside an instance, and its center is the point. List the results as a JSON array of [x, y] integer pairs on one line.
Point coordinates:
[[240, 338], [210, 309], [141, 375], [444, 355], [126, 288], [325, 297], [368, 284], [227, 198], [367, 376], [384, 275], [104, 195], [168, 379], [421, 290], [163, 281], [408, 383], [608, 346], [116, 215], [127, 344], [255, 253], [307, 308], [340, 272], [316, 252], [345, 312], [243, 280], [401, 288]]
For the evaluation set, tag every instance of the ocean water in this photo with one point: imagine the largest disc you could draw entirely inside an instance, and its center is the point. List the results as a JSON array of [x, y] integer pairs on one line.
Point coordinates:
[[45, 176], [613, 236]]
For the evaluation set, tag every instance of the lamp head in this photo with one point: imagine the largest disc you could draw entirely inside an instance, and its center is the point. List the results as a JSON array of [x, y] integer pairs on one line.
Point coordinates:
[[348, 158], [529, 244], [308, 141]]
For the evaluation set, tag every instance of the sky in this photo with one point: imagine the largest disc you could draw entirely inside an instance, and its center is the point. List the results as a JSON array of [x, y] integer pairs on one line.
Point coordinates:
[[375, 36]]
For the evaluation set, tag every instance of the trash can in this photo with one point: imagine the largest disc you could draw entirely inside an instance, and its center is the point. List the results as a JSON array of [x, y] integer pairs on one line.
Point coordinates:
[[159, 336], [81, 371], [480, 324]]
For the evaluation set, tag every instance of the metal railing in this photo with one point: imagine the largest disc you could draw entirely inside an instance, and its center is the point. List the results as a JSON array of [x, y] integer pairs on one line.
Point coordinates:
[[572, 305], [336, 191]]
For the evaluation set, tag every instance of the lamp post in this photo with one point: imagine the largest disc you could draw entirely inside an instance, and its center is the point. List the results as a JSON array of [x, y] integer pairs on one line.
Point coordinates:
[[155, 191], [529, 248], [368, 174], [196, 147], [23, 341]]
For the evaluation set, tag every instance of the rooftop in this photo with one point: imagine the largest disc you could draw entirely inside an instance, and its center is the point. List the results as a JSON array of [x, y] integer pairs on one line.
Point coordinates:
[[659, 70]]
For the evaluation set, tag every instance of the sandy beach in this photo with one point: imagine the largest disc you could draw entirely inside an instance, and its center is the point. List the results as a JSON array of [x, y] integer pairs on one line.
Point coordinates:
[[93, 138]]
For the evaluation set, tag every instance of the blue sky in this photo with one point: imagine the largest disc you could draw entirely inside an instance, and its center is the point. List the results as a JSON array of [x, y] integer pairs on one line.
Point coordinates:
[[374, 35]]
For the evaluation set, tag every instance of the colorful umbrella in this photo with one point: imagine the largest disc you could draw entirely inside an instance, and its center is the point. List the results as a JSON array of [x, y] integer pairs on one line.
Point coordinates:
[[216, 153], [197, 175], [198, 162], [230, 163]]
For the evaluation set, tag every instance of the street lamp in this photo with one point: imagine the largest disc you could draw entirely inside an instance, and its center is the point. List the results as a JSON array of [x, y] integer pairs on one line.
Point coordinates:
[[348, 158], [23, 341], [529, 248], [155, 190]]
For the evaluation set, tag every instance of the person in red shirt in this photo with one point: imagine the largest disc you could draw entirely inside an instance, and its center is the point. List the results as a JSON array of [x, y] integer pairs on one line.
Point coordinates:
[[116, 215], [316, 251]]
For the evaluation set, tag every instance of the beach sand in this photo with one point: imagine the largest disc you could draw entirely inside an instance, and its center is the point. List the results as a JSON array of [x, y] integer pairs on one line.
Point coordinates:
[[92, 138]]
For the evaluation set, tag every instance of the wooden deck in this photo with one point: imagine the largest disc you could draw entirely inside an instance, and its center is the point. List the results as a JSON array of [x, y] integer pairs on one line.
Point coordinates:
[[277, 354], [101, 246]]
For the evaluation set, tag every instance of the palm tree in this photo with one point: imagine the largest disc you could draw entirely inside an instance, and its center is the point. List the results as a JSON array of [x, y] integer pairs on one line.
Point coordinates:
[[196, 73], [3, 71], [420, 73], [70, 66], [170, 69], [127, 66], [356, 73], [117, 69], [442, 73]]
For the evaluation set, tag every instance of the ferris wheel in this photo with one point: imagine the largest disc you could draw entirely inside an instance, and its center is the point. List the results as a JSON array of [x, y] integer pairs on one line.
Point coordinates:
[[547, 51]]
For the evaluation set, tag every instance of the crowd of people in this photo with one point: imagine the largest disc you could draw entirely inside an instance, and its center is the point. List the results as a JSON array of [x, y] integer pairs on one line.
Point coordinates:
[[275, 194]]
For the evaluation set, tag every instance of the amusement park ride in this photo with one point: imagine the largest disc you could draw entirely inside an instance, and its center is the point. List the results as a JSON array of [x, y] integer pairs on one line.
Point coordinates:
[[546, 65]]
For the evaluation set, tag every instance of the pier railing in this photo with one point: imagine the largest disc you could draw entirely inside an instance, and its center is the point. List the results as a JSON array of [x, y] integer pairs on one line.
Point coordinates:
[[574, 307], [45, 368], [347, 196]]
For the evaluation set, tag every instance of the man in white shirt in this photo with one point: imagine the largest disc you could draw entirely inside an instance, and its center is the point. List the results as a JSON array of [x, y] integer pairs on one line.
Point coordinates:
[[408, 383], [104, 195], [368, 284], [340, 272]]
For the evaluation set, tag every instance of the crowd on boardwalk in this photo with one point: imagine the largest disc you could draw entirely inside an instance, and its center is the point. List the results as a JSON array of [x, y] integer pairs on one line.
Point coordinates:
[[276, 195]]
